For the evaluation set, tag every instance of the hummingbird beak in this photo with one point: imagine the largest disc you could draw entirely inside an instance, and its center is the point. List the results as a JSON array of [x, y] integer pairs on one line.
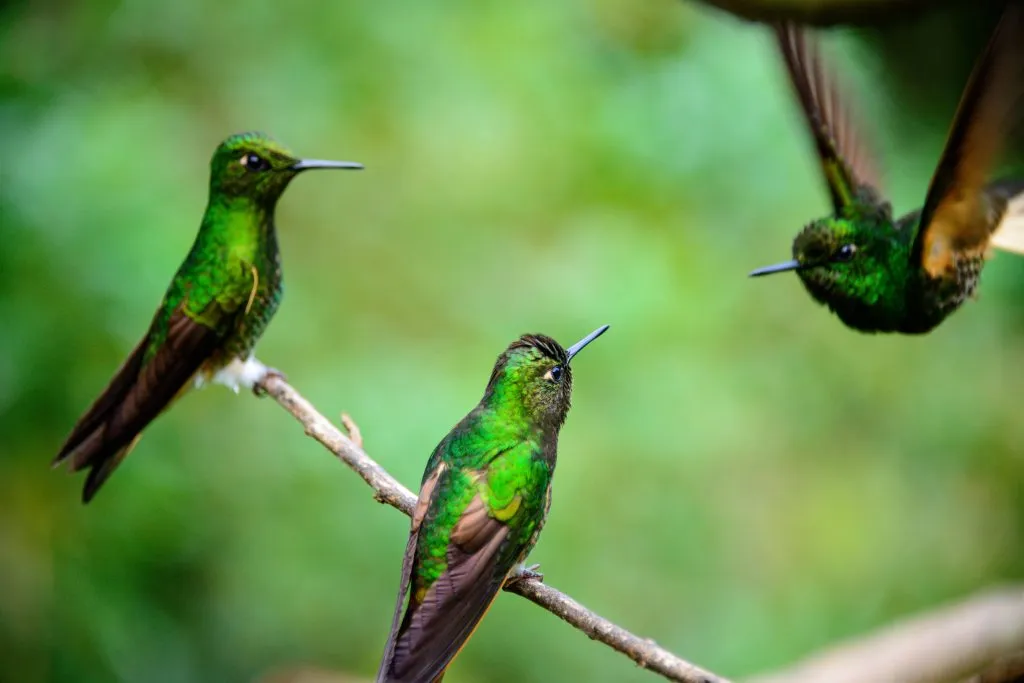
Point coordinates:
[[777, 268], [306, 164], [578, 346]]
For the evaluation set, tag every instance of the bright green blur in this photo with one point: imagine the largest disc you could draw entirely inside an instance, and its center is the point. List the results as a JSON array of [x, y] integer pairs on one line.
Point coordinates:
[[741, 479]]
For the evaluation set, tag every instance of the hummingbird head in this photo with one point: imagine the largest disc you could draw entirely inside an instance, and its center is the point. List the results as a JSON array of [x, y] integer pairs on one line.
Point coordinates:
[[254, 165], [533, 374], [851, 266]]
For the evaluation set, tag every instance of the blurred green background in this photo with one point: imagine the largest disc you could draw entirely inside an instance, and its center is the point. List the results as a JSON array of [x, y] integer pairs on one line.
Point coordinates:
[[741, 478]]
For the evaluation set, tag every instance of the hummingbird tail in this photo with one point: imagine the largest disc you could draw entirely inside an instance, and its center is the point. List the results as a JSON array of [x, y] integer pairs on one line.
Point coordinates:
[[438, 624], [101, 469], [396, 620], [428, 662], [92, 429], [143, 387], [1008, 234], [103, 438]]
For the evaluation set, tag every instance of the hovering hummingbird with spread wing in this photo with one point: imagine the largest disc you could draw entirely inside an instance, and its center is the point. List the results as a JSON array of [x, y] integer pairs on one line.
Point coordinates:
[[880, 274], [482, 503], [216, 308]]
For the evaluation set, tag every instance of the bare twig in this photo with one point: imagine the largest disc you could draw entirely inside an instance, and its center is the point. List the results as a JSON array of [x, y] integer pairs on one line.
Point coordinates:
[[388, 490], [644, 652], [942, 646], [353, 430]]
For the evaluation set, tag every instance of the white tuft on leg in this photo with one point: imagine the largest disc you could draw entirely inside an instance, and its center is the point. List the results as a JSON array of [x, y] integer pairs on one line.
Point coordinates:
[[241, 373]]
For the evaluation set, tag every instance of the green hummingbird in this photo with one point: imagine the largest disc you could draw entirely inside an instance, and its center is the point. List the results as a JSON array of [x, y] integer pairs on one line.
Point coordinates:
[[880, 274], [483, 500], [215, 309]]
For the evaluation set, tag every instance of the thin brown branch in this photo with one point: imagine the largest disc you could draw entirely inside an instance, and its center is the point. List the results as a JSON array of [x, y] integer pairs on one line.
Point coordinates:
[[388, 490], [977, 637], [352, 428], [644, 652]]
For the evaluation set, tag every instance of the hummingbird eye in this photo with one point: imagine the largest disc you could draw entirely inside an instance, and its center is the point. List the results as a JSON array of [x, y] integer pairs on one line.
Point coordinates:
[[554, 374], [255, 162], [845, 252]]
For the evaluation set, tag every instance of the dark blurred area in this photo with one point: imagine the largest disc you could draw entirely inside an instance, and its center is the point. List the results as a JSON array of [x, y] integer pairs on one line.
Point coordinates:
[[741, 478], [843, 12]]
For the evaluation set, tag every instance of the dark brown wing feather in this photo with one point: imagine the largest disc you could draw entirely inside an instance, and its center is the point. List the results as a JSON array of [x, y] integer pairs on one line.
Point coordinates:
[[957, 213], [138, 393], [849, 168], [436, 628], [422, 501]]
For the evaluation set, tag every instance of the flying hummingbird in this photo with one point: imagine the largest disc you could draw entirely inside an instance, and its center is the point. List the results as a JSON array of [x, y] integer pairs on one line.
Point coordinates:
[[880, 274], [214, 311], [482, 503]]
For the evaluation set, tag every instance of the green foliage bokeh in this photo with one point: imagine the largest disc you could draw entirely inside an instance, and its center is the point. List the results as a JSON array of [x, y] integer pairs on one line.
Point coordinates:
[[741, 478]]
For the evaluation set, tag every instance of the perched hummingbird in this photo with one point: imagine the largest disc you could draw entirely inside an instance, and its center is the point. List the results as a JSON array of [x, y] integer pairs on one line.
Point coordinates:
[[482, 503], [215, 310], [880, 274]]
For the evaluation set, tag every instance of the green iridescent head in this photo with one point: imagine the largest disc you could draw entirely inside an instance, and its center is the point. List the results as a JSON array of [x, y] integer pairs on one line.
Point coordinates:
[[534, 374], [254, 165], [857, 268]]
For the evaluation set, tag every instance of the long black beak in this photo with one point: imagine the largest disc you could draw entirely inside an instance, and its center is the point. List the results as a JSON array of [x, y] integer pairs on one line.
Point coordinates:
[[306, 164], [578, 346], [777, 268]]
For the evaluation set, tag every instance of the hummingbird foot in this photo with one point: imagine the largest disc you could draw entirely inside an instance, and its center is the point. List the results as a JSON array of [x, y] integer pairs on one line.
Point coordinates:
[[258, 389], [524, 573]]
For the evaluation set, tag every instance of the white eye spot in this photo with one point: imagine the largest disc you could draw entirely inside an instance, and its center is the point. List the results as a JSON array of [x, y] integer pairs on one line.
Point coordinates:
[[254, 162], [554, 374], [846, 252]]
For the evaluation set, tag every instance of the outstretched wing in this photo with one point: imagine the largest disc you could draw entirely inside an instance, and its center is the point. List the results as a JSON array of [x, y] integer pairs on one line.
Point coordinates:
[[144, 385], [849, 168], [958, 214]]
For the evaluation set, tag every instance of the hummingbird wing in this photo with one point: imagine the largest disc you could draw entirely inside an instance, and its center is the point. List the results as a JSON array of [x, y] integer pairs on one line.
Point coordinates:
[[152, 376], [422, 502], [439, 623], [958, 213], [849, 167], [443, 613]]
